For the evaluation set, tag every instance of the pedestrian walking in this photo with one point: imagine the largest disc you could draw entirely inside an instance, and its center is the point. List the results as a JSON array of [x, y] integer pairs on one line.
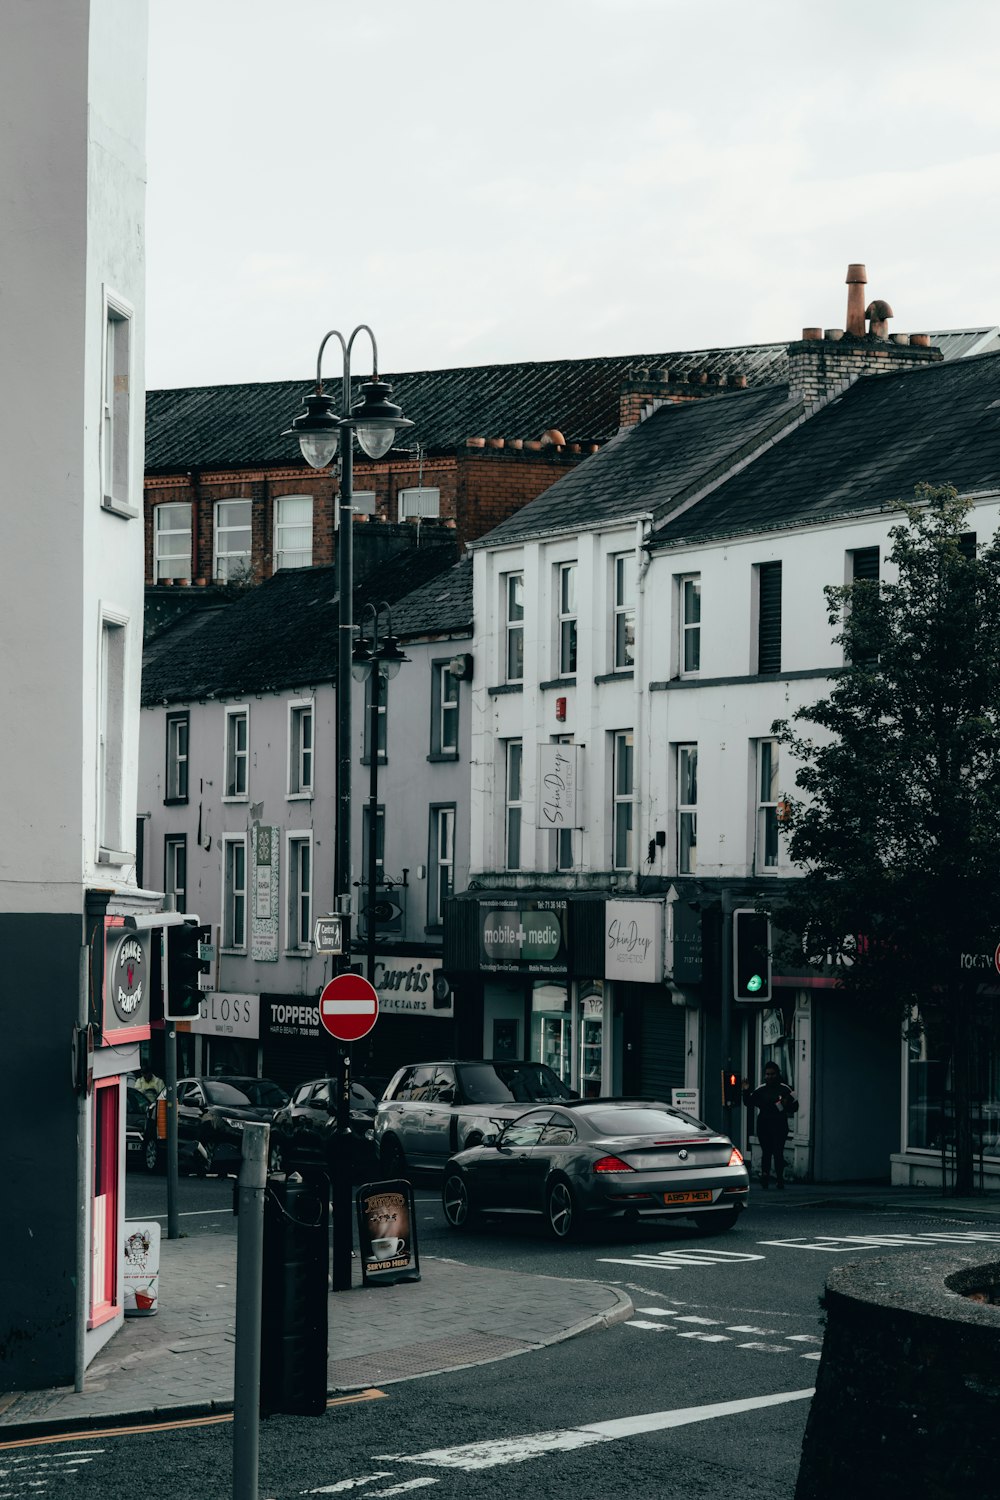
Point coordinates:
[[148, 1084], [775, 1103]]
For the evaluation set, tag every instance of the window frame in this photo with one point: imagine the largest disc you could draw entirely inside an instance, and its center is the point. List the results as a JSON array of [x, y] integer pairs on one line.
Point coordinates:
[[441, 705], [299, 891], [768, 609], [513, 806], [111, 756], [176, 772], [624, 580], [159, 559], [278, 526], [300, 782], [767, 832], [234, 896], [233, 754], [567, 616], [174, 844], [218, 530], [513, 626], [442, 814], [623, 802], [685, 808], [116, 410], [688, 629], [419, 494]]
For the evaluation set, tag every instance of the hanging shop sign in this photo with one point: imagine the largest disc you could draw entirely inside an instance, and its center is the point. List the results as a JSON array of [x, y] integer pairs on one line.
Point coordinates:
[[264, 844], [687, 964], [633, 941], [413, 986], [527, 937], [559, 787], [126, 981]]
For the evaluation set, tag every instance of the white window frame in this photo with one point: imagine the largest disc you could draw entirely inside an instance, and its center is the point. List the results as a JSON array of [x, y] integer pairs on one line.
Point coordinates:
[[223, 557], [686, 809], [363, 502], [232, 754], [234, 896], [421, 501], [173, 844], [766, 766], [441, 862], [178, 756], [513, 803], [116, 423], [298, 908], [688, 628], [280, 526], [623, 802], [567, 635], [111, 758], [623, 597], [513, 626], [445, 702], [301, 758], [171, 564]]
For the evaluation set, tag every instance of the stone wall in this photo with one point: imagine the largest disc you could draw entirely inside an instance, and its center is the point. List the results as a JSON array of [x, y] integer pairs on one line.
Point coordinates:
[[908, 1391]]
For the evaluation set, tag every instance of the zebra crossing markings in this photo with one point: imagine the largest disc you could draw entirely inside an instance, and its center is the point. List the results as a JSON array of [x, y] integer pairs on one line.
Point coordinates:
[[653, 1321], [676, 1259]]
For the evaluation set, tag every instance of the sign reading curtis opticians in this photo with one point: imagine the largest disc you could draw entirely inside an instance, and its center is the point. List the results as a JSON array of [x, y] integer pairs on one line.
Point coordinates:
[[527, 937]]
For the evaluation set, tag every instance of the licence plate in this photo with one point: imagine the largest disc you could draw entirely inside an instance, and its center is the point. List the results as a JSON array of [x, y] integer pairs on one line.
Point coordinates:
[[133, 1145], [702, 1195]]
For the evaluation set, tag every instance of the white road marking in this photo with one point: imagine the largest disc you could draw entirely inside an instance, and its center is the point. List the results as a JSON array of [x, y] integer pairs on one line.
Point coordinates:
[[843, 1244], [749, 1328], [406, 1484], [705, 1338], [768, 1348], [659, 1312], [656, 1327], [488, 1454], [348, 1484], [674, 1260], [803, 1338], [816, 1355], [690, 1318]]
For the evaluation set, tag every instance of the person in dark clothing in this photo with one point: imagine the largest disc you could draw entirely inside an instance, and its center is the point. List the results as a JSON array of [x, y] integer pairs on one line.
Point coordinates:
[[774, 1103]]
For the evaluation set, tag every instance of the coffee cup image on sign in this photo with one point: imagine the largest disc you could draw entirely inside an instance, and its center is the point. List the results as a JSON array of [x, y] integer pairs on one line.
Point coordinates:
[[387, 1221], [386, 1246]]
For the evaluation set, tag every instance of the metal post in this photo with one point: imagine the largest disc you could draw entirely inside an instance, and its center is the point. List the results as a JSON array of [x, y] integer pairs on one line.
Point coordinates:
[[170, 1068], [249, 1279], [726, 1013], [376, 693], [340, 1179]]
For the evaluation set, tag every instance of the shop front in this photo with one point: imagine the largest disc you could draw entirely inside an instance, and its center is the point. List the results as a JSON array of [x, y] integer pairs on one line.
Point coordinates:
[[223, 1038]]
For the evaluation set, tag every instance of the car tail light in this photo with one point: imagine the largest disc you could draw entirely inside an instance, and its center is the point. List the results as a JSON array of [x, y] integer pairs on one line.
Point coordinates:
[[612, 1164], [736, 1160]]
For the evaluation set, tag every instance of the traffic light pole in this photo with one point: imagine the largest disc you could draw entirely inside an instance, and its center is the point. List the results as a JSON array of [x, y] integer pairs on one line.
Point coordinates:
[[170, 1068], [726, 1011]]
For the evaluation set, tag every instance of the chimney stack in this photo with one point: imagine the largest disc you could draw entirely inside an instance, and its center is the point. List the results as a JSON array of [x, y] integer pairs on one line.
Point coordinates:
[[857, 280]]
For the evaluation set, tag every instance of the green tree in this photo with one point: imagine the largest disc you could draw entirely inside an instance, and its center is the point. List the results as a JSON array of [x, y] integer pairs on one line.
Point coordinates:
[[898, 831]]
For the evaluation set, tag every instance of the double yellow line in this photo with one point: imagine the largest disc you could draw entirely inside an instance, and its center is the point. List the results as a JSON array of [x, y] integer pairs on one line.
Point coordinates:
[[87, 1434]]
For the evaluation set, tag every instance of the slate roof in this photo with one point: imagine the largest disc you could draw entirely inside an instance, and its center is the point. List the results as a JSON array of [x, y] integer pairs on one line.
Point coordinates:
[[646, 467], [279, 634], [239, 426], [939, 424], [443, 606]]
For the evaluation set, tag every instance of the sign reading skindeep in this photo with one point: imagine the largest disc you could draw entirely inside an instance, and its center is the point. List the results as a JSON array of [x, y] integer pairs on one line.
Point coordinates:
[[348, 1007], [523, 936], [633, 941]]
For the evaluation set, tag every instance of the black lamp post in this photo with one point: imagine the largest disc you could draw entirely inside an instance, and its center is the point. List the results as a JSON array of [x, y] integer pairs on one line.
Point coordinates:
[[375, 419], [373, 663]]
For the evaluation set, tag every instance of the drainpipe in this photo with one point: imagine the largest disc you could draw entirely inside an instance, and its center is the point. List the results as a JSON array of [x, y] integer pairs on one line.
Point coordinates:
[[639, 714]]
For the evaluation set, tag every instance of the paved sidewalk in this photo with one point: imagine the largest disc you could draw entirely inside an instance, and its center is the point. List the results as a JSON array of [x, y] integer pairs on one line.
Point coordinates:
[[180, 1362]]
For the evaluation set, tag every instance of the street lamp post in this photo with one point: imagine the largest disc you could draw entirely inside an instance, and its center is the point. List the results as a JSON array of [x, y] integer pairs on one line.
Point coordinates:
[[381, 660], [375, 419]]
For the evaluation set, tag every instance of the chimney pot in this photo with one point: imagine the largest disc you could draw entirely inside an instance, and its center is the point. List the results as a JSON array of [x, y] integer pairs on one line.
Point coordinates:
[[517, 443], [812, 333], [496, 442], [857, 277], [920, 340], [663, 376], [899, 338], [833, 334], [475, 442]]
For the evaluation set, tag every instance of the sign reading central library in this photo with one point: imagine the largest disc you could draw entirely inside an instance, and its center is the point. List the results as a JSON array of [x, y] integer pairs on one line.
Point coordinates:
[[523, 937]]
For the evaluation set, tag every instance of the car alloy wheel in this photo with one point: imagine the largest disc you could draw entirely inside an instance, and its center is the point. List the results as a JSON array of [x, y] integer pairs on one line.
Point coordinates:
[[392, 1158], [560, 1210], [150, 1154], [455, 1201], [276, 1158]]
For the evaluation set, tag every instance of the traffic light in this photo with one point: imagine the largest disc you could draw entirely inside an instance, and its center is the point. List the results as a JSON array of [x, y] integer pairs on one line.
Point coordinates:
[[730, 1085], [185, 965], [751, 955]]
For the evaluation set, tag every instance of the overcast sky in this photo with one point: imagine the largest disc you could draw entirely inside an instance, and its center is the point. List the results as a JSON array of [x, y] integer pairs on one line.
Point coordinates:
[[501, 180]]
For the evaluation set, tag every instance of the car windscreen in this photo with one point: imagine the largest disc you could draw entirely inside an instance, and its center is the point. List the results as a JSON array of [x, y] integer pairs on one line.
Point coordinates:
[[511, 1083], [634, 1120], [224, 1093], [265, 1093]]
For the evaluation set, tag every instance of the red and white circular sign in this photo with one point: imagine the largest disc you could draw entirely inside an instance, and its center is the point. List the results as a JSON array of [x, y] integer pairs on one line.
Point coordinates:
[[348, 1007]]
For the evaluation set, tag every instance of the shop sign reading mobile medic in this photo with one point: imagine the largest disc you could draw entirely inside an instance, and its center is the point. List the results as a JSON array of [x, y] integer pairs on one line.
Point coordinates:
[[387, 1233], [527, 937]]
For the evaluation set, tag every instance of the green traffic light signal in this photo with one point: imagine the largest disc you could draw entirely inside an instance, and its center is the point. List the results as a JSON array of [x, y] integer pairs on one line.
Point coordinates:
[[754, 983]]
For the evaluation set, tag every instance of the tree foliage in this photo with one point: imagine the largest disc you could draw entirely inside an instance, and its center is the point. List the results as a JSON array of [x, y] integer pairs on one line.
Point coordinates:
[[898, 830]]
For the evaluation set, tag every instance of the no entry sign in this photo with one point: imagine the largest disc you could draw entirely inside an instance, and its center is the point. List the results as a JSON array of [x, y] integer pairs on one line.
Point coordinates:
[[348, 1007]]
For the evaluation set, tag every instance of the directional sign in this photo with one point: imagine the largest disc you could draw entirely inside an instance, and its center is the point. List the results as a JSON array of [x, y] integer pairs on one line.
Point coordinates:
[[328, 935], [348, 1007]]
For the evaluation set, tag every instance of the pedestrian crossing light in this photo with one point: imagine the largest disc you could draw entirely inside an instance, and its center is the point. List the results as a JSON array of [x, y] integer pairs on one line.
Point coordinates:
[[751, 955], [187, 961], [730, 1086]]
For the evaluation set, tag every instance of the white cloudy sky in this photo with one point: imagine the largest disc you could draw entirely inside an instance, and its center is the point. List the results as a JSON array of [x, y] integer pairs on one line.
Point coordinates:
[[495, 180]]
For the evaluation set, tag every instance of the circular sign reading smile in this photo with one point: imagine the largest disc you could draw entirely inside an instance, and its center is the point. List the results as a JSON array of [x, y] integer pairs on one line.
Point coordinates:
[[128, 978]]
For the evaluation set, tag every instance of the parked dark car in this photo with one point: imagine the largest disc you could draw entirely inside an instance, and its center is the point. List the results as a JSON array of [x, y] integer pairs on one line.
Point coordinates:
[[432, 1110], [211, 1115], [600, 1158], [136, 1121], [304, 1131]]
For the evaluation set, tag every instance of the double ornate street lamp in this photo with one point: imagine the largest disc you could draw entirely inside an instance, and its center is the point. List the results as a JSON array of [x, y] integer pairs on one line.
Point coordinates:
[[376, 420], [374, 663]]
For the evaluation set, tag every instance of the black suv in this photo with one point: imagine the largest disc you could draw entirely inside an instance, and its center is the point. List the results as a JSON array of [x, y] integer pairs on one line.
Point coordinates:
[[304, 1131], [432, 1110]]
